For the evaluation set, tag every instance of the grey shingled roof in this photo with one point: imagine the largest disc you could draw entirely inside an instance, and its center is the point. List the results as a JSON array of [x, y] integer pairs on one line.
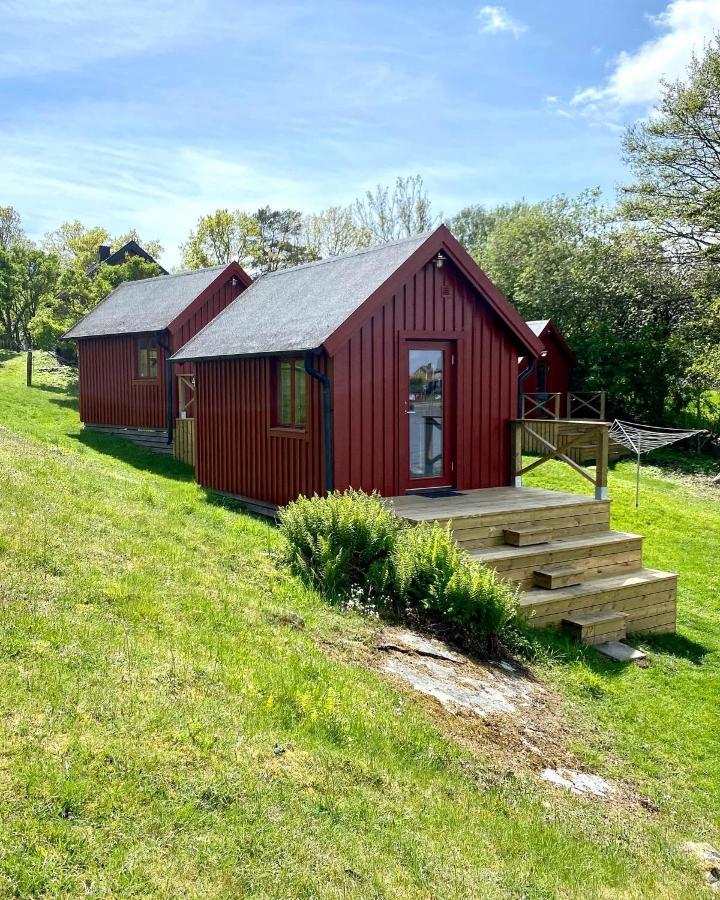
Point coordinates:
[[150, 304], [299, 308], [537, 326]]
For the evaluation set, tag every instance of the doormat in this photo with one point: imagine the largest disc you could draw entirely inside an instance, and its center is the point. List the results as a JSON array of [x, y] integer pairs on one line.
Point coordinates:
[[440, 492]]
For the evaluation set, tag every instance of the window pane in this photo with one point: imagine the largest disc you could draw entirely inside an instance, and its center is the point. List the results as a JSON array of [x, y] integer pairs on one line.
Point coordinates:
[[142, 363], [425, 413], [300, 399], [152, 363], [285, 393]]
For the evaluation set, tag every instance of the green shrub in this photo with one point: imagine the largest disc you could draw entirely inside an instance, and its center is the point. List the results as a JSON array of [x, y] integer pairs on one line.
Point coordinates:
[[342, 543], [355, 549], [433, 575]]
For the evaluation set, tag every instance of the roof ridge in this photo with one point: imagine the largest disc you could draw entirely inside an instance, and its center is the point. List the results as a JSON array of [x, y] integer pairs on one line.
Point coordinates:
[[171, 275], [372, 249]]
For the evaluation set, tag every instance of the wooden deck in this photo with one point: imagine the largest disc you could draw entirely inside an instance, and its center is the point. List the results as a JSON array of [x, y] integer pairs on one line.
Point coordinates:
[[560, 550]]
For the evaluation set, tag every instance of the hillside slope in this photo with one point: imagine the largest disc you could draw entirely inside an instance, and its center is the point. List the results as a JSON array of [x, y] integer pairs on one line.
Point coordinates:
[[168, 728]]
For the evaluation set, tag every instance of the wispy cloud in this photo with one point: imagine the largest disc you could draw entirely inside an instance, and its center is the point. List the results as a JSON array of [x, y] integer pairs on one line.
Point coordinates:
[[635, 80], [496, 19]]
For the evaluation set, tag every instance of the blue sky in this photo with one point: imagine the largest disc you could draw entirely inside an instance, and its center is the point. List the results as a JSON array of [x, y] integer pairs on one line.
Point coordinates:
[[148, 114]]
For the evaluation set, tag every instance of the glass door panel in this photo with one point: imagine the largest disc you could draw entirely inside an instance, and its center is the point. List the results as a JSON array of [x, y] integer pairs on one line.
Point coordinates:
[[426, 413]]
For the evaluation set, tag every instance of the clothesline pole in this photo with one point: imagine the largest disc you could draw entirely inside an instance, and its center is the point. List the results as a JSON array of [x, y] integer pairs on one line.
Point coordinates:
[[637, 482]]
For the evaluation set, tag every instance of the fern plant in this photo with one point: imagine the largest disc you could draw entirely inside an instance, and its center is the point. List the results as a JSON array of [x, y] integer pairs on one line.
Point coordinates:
[[341, 542]]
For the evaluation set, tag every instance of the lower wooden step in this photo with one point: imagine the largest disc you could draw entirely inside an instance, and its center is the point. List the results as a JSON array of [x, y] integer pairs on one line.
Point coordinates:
[[553, 577], [648, 596], [597, 627], [524, 537]]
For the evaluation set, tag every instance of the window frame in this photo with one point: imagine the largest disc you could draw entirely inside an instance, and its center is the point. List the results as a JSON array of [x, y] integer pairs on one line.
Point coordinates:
[[151, 348], [289, 427]]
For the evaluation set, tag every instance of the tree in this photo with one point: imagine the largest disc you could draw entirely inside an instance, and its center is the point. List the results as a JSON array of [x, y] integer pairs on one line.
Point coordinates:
[[473, 224], [334, 231], [675, 157], [279, 243], [387, 216], [610, 289], [75, 244], [221, 237], [11, 230], [76, 294], [27, 280]]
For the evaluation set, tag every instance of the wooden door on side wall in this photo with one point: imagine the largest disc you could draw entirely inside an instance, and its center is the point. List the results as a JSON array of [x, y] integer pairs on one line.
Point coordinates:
[[427, 410]]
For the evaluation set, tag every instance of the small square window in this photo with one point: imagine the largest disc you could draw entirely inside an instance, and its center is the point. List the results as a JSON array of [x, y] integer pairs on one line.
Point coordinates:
[[290, 394]]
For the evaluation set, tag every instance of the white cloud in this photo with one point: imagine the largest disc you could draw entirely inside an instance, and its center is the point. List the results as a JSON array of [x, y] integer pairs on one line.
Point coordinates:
[[684, 26], [494, 19]]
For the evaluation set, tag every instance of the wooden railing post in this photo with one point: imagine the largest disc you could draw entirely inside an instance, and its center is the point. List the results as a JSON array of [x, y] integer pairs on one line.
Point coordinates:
[[601, 463], [516, 431], [602, 406]]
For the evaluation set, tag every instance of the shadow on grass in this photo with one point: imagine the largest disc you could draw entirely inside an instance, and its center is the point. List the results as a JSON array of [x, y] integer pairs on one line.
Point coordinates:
[[66, 403], [137, 457], [553, 645], [674, 645]]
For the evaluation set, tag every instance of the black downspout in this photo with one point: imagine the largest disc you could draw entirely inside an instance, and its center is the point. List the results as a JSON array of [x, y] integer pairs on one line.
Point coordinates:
[[327, 419], [521, 379], [168, 391]]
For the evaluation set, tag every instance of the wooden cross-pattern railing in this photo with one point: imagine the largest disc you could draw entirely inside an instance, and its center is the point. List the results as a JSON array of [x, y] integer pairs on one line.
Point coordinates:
[[541, 405], [586, 404], [569, 434]]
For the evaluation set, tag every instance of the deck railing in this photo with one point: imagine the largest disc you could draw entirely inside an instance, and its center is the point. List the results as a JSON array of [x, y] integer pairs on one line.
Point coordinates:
[[576, 405], [568, 437]]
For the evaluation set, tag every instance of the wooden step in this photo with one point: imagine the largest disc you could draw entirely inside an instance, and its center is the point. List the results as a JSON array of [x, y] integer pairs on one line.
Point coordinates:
[[598, 554], [553, 577], [528, 535], [647, 596], [596, 627]]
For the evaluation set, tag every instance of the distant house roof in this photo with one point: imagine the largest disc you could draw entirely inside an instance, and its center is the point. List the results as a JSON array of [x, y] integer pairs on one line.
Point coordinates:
[[117, 258], [301, 308], [150, 304], [537, 326], [541, 327]]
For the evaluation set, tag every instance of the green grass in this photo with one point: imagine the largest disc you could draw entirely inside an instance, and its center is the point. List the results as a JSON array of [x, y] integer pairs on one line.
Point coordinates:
[[165, 730]]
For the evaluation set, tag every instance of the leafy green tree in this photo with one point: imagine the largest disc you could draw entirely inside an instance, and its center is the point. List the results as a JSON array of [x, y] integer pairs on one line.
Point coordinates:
[[27, 280], [279, 243], [74, 244], [221, 237], [473, 224], [76, 294], [334, 231], [675, 158], [11, 230], [610, 289]]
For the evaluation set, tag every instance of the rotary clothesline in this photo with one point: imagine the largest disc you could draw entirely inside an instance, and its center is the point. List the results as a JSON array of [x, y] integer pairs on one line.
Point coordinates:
[[644, 438]]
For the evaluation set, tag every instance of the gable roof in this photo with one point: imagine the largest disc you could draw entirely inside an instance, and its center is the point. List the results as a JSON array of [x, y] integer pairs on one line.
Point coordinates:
[[541, 327], [537, 326], [117, 258], [150, 304], [313, 305]]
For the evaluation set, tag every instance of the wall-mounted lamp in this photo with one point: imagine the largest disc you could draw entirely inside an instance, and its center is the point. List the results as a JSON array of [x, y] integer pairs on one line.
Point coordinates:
[[440, 260], [235, 281]]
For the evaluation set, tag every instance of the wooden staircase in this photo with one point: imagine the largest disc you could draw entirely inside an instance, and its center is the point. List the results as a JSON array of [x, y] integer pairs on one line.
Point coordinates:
[[559, 548]]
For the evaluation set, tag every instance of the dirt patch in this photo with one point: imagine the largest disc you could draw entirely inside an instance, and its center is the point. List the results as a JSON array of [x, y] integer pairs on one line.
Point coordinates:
[[491, 706]]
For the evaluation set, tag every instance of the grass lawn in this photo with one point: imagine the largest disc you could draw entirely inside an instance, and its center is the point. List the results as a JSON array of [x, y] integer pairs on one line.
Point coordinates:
[[166, 729]]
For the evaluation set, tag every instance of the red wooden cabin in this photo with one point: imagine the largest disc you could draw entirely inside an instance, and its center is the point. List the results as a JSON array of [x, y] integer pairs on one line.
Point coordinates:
[[554, 369], [389, 369], [125, 342]]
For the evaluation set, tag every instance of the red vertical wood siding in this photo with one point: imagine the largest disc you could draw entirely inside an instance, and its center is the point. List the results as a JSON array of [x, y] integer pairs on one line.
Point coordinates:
[[559, 371], [237, 451], [110, 391], [368, 415]]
